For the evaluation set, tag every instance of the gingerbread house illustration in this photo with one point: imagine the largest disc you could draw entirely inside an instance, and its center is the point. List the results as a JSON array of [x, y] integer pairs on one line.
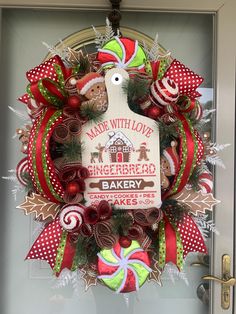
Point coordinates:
[[119, 147]]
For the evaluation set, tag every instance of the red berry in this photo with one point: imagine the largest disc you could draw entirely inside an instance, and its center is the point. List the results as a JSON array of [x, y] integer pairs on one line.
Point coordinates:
[[72, 188], [74, 102], [124, 242], [153, 112]]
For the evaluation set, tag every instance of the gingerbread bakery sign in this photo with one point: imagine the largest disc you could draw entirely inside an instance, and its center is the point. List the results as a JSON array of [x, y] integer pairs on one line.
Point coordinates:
[[121, 153]]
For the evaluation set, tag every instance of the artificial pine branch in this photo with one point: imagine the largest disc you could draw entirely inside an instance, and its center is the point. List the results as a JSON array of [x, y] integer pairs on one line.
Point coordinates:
[[194, 178], [174, 209], [87, 250], [89, 112], [136, 88], [121, 221], [29, 184], [84, 64], [72, 151], [168, 132]]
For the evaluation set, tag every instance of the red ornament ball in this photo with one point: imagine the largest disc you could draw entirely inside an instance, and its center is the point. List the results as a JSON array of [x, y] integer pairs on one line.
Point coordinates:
[[72, 188], [74, 102], [154, 112], [125, 242]]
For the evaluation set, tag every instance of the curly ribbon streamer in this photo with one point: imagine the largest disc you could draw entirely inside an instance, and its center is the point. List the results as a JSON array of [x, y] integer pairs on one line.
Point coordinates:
[[104, 235], [104, 210], [191, 152], [137, 233], [67, 174], [74, 126], [147, 217], [68, 129], [61, 134], [47, 83], [86, 230], [41, 167], [91, 215], [72, 199], [72, 113], [170, 244]]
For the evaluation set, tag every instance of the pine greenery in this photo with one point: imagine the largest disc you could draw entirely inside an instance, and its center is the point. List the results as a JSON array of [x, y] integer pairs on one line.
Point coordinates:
[[121, 221], [89, 112], [72, 150]]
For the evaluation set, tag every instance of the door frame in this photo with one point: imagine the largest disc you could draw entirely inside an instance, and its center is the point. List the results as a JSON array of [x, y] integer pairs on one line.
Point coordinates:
[[225, 52]]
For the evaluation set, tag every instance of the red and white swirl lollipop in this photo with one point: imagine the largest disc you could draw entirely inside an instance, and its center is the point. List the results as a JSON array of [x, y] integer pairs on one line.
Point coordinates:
[[205, 182], [71, 217], [21, 170], [164, 92]]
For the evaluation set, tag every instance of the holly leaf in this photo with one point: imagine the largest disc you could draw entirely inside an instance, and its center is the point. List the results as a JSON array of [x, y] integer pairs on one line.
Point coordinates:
[[155, 274], [89, 276], [40, 206], [196, 201]]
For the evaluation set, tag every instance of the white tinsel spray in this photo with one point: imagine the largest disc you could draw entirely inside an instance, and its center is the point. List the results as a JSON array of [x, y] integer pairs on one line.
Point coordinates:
[[101, 39], [205, 225], [17, 187]]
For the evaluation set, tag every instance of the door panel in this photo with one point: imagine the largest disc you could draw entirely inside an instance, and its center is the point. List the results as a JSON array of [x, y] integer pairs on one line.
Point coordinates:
[[28, 284]]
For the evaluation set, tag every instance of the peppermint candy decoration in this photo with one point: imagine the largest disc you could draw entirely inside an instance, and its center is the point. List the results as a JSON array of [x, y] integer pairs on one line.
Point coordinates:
[[205, 182], [21, 170], [71, 218], [123, 53], [34, 108], [196, 113], [124, 269], [164, 92]]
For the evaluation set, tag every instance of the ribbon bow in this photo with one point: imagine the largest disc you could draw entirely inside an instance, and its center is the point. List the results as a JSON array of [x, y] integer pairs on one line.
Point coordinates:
[[47, 83]]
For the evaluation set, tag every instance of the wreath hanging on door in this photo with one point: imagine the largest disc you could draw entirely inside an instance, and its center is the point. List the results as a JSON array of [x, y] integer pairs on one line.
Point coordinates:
[[118, 216]]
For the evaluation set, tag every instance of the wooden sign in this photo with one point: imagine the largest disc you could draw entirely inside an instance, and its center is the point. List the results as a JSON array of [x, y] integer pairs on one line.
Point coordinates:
[[122, 153]]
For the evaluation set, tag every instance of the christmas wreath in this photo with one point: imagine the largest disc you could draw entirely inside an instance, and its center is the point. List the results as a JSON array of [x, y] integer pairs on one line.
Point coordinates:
[[116, 162]]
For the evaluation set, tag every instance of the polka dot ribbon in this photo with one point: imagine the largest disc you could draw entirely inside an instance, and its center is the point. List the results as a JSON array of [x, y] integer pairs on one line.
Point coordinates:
[[47, 82], [53, 246], [176, 240], [187, 80], [40, 165]]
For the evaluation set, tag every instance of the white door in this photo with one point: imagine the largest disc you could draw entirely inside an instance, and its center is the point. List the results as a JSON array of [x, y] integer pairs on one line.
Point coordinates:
[[202, 38]]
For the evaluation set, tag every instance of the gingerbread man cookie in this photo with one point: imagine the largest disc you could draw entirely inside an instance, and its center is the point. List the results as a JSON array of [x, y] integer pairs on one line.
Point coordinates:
[[169, 164], [92, 86]]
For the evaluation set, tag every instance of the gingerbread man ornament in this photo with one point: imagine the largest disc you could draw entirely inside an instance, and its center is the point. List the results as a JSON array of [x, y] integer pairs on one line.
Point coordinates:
[[93, 87], [169, 164]]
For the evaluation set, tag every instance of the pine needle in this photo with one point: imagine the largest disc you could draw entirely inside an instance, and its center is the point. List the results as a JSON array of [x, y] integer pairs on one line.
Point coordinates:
[[174, 209], [136, 88], [168, 132], [72, 151], [88, 111], [121, 221]]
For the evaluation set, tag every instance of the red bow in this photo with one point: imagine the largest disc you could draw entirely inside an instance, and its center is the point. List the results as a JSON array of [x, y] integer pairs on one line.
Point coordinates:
[[187, 80], [47, 82], [54, 246]]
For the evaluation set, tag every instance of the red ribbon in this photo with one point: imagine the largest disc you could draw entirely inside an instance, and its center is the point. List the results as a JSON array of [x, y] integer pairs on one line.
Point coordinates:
[[187, 80], [188, 140], [171, 248], [46, 75], [35, 150]]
